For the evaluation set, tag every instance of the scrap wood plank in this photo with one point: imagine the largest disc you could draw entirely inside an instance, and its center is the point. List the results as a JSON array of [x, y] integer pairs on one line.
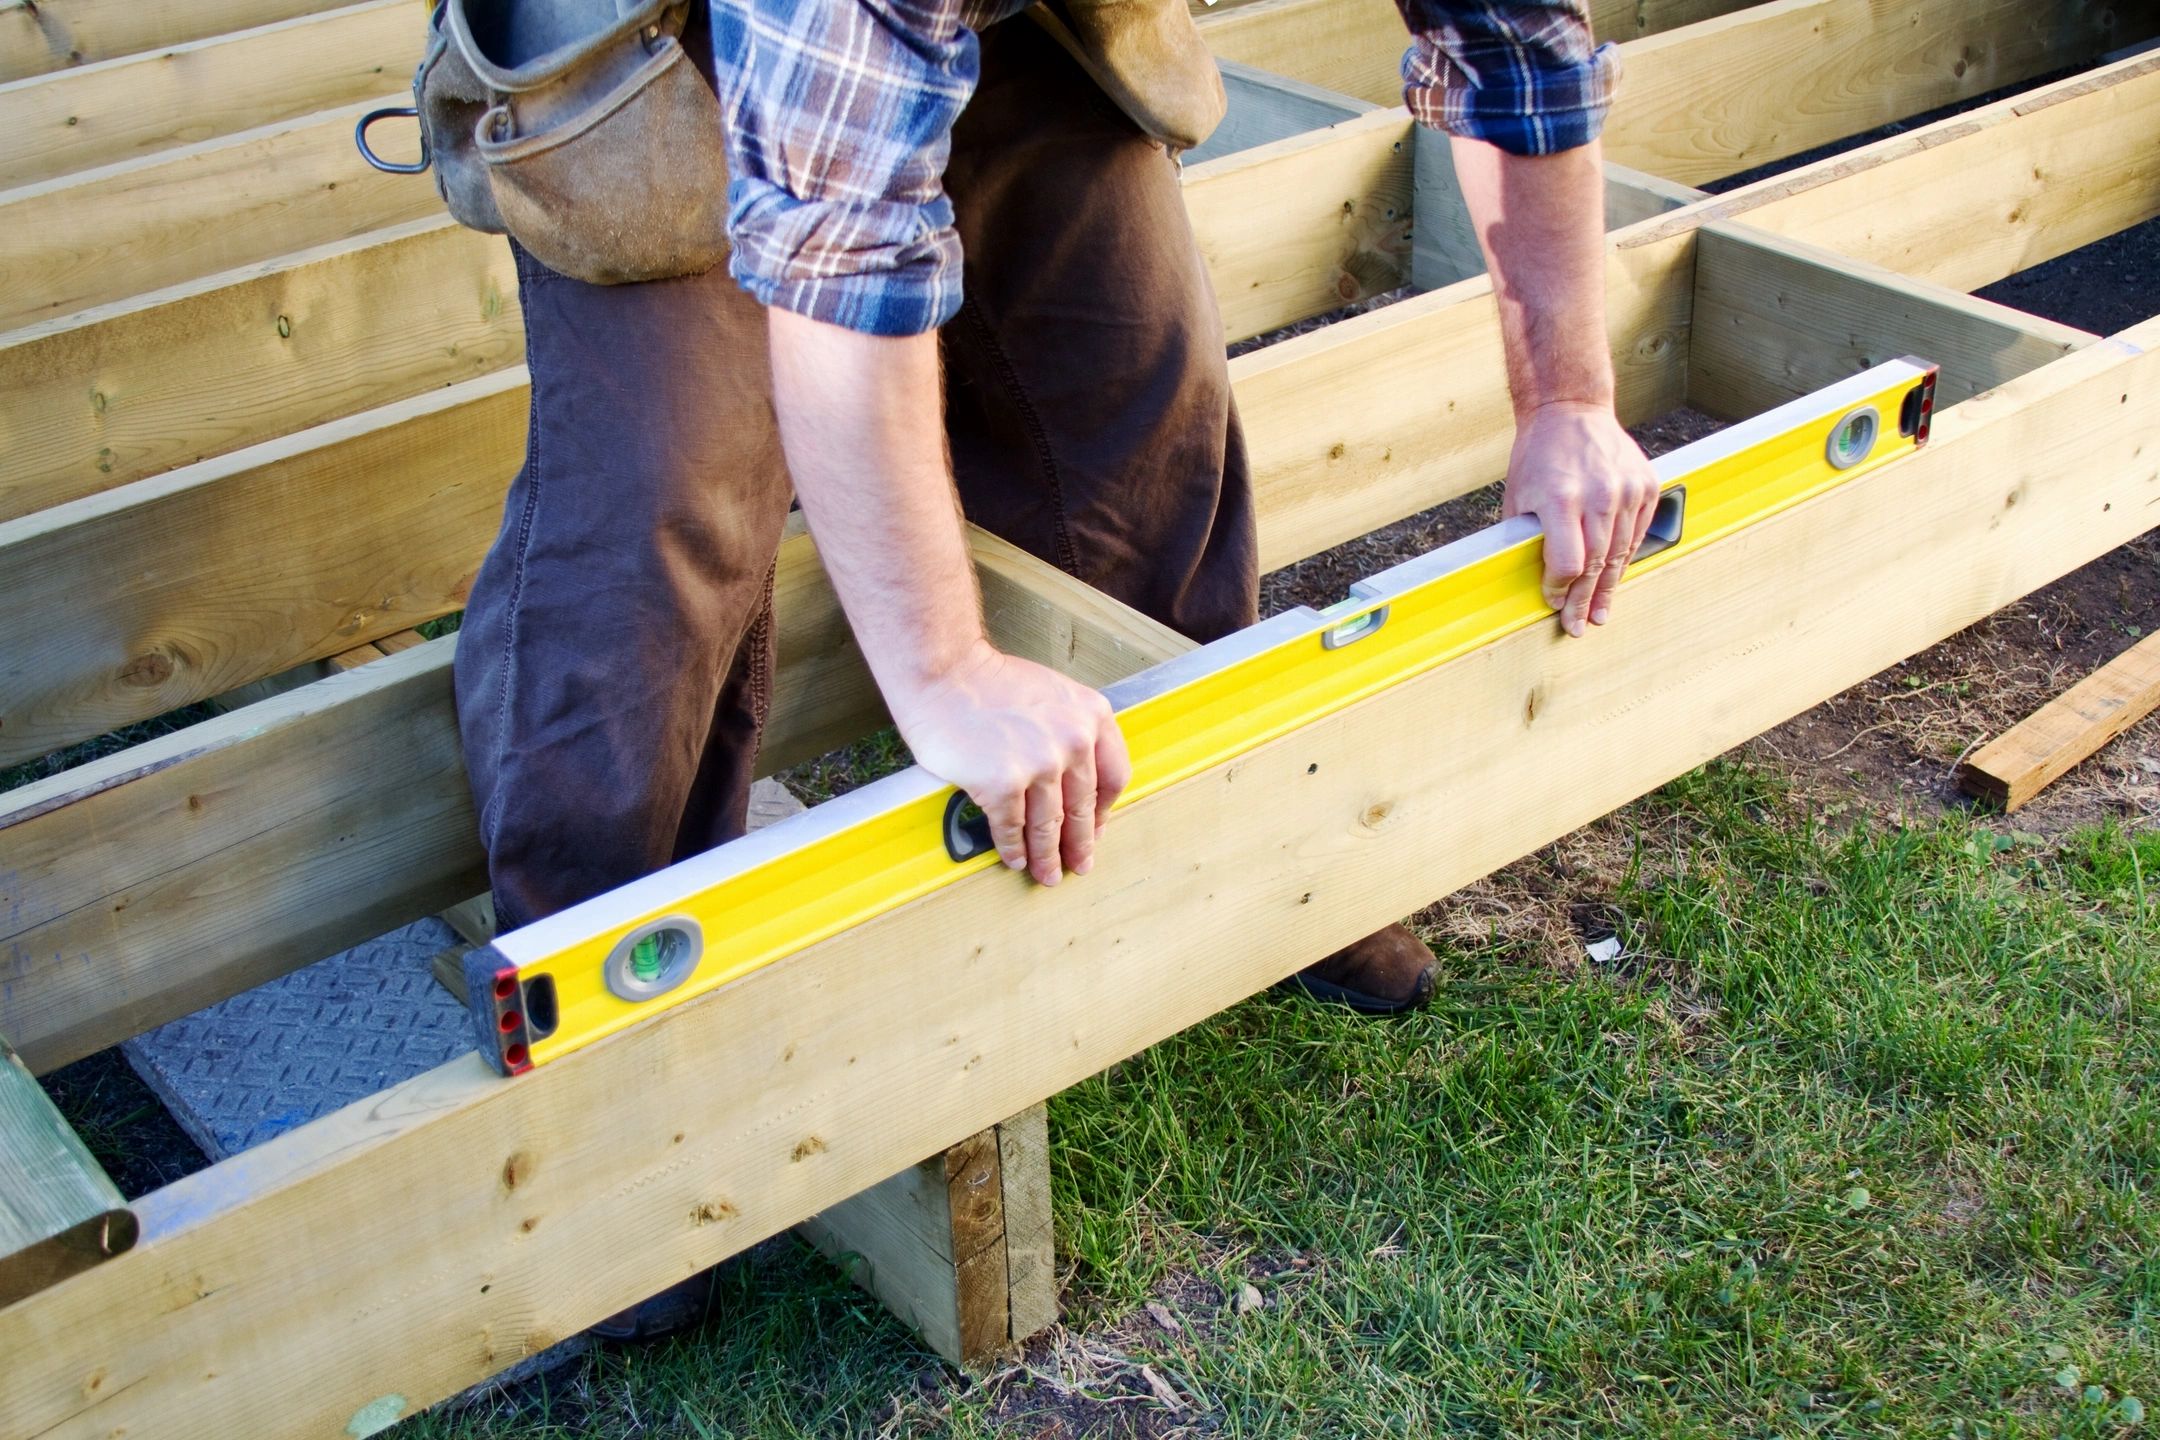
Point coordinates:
[[905, 1034], [208, 860], [2017, 764], [100, 114], [55, 34]]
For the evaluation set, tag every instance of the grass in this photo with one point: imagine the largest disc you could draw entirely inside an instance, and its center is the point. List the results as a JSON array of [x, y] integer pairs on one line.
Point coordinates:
[[1858, 1136]]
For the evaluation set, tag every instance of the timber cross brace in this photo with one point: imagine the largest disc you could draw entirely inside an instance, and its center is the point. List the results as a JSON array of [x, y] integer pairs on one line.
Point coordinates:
[[213, 338]]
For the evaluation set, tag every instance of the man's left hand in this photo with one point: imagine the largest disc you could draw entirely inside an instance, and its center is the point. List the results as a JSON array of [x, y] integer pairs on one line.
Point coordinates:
[[1593, 491]]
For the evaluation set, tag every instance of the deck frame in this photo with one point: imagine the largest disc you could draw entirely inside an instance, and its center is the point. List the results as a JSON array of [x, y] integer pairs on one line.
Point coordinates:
[[2044, 464]]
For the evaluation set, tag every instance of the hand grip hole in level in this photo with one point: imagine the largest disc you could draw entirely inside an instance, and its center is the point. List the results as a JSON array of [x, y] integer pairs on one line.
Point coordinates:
[[1354, 629], [1667, 524], [967, 829]]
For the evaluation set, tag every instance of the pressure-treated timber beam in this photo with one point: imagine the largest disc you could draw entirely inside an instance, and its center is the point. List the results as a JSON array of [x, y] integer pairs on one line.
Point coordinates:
[[902, 1035], [101, 114], [254, 562], [1776, 318], [1355, 47], [176, 215], [1971, 199], [146, 884], [959, 1247], [55, 34], [141, 386], [1769, 81], [136, 387], [2047, 744], [1318, 220]]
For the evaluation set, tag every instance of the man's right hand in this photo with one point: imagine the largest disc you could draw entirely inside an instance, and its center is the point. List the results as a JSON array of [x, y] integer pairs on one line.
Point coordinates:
[[1040, 753]]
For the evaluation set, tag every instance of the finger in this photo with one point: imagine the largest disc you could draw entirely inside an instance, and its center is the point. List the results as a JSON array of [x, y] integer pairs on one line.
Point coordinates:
[[1005, 808], [1045, 825], [1113, 769], [1602, 593], [1596, 533], [1564, 555], [1635, 529], [1078, 837]]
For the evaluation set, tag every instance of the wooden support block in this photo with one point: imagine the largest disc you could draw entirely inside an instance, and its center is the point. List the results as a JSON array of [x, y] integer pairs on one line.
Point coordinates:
[[55, 34], [1777, 318], [1715, 98], [894, 1039], [59, 1213], [2023, 760], [102, 114], [178, 215]]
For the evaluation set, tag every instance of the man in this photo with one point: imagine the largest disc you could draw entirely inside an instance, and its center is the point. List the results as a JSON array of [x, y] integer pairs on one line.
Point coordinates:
[[957, 265]]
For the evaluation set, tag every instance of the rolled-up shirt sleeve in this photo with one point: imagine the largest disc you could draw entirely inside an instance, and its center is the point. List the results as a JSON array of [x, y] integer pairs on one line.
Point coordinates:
[[1528, 78], [839, 118]]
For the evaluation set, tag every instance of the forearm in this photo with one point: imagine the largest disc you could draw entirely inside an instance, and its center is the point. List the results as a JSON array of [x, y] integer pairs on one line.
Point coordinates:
[[861, 417], [1540, 220]]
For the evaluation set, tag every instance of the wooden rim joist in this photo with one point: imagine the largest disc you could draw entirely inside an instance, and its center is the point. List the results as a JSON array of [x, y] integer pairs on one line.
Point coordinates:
[[224, 331]]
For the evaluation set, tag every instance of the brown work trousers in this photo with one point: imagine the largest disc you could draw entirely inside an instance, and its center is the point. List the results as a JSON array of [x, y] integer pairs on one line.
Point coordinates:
[[617, 650]]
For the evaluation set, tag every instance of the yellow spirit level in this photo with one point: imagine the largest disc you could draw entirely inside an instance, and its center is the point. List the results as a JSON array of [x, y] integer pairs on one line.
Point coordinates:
[[543, 991]]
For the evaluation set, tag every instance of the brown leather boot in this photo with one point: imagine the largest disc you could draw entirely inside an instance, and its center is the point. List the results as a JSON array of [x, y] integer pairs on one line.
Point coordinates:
[[1386, 973]]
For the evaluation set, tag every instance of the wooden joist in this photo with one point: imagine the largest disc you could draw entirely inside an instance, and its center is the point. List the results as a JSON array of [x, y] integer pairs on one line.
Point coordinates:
[[1969, 200], [896, 1038], [200, 863], [59, 1212], [1761, 83], [101, 114], [177, 215], [2045, 745], [135, 387], [56, 34]]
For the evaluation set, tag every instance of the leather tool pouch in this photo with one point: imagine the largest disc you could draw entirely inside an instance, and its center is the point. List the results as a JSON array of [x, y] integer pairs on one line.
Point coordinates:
[[581, 128]]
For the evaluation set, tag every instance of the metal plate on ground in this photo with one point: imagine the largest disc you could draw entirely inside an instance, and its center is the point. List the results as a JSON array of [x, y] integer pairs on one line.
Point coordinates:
[[269, 1059]]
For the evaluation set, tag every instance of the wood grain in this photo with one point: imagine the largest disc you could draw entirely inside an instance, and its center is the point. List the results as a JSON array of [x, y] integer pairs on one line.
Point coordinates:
[[142, 386], [55, 34], [146, 884], [895, 1039], [178, 215], [122, 109], [1778, 318], [1734, 92]]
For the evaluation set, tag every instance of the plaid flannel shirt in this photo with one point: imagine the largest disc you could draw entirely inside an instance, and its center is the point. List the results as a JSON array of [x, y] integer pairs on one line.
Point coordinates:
[[840, 116]]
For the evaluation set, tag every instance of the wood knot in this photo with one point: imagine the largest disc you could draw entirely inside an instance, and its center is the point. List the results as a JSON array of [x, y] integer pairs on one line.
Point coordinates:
[[147, 670], [516, 1170], [712, 1212], [1376, 814], [810, 1146]]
